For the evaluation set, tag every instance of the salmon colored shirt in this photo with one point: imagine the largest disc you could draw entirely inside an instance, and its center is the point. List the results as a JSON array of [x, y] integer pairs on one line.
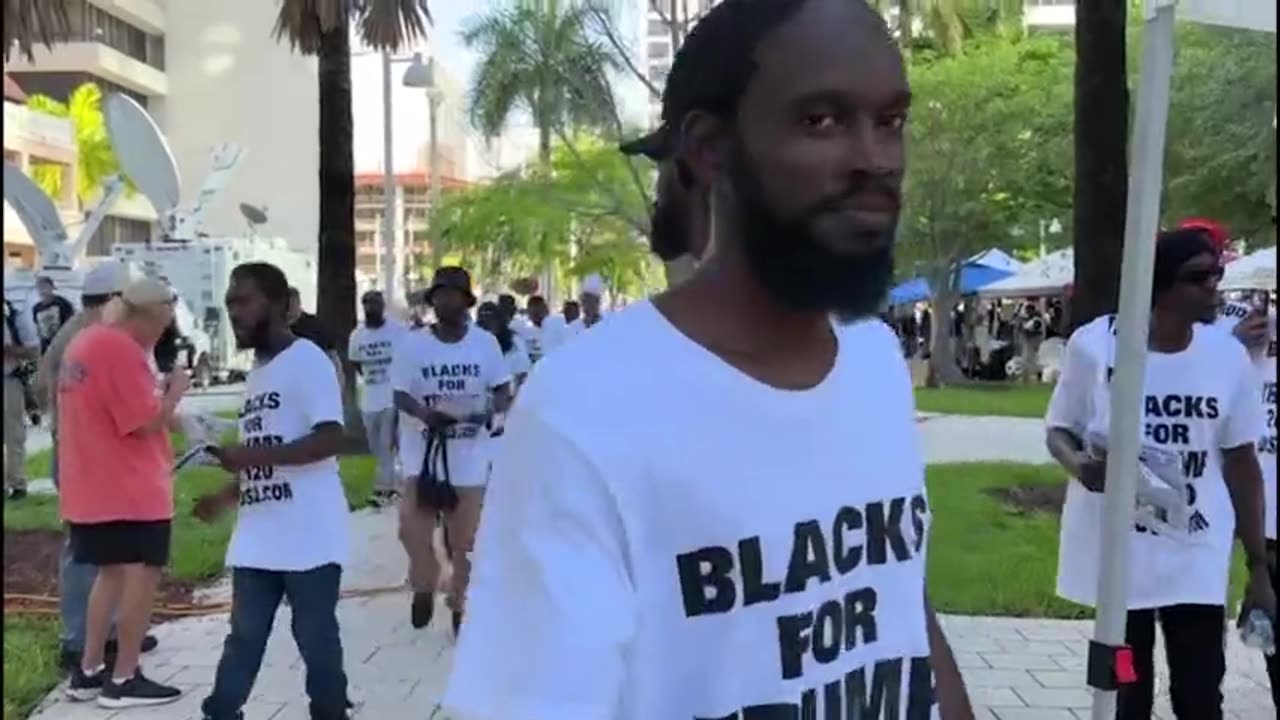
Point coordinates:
[[109, 468]]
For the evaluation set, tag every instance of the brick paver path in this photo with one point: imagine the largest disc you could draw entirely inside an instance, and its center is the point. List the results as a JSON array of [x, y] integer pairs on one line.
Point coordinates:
[[1016, 669]]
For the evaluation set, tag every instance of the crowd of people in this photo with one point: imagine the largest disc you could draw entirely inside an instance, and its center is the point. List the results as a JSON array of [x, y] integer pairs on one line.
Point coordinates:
[[735, 526]]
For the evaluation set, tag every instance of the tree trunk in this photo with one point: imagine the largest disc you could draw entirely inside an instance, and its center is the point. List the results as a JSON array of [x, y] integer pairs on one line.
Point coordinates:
[[1101, 158], [942, 346], [905, 31], [336, 269]]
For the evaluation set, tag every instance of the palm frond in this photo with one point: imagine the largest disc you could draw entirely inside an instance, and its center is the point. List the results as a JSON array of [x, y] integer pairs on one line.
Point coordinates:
[[381, 24], [28, 22]]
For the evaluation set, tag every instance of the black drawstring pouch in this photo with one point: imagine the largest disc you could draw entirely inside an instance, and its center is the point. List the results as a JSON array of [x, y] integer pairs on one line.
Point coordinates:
[[435, 491]]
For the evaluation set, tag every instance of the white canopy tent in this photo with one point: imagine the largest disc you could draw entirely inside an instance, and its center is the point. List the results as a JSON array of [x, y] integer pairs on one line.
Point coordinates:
[[1049, 275], [998, 259], [1255, 271]]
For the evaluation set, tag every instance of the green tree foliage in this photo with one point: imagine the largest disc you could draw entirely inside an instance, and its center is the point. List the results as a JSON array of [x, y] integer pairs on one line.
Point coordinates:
[[537, 57], [96, 159], [1221, 149], [579, 216]]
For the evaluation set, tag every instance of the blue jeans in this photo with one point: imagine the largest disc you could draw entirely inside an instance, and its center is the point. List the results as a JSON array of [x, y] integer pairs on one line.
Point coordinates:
[[255, 597], [75, 580]]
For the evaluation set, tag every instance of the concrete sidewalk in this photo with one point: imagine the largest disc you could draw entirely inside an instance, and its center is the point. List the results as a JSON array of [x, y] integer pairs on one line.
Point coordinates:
[[1016, 669]]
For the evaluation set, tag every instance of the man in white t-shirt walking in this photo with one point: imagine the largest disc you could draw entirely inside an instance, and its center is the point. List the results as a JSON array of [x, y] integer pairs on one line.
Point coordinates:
[[448, 381], [544, 331], [589, 299], [1200, 425], [725, 535], [291, 537], [370, 349]]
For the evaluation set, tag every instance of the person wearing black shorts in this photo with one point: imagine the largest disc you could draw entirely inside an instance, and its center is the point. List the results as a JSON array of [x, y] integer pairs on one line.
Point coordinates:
[[115, 477]]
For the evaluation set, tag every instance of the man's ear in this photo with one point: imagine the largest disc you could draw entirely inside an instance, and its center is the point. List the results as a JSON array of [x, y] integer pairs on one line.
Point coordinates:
[[702, 148]]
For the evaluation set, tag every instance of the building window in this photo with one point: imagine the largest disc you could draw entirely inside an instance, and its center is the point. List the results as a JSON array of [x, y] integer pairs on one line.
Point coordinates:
[[115, 230], [90, 23], [659, 50], [658, 28]]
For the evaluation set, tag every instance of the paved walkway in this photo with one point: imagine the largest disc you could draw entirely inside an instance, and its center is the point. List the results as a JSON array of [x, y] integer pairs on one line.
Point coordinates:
[[1016, 669]]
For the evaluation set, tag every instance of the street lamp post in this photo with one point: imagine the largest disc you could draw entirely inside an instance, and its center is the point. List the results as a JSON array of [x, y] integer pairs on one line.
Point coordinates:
[[422, 75], [389, 275]]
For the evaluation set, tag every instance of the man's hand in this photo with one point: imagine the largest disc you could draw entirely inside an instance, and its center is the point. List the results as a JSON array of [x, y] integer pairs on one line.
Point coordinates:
[[176, 383], [437, 420], [232, 458], [1252, 331], [1258, 595], [1093, 473]]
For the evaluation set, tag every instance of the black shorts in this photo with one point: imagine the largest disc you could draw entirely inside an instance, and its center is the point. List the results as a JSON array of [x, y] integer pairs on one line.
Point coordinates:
[[122, 542]]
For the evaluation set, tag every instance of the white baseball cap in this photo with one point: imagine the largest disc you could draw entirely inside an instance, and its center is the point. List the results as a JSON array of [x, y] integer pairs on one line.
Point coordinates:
[[106, 278]]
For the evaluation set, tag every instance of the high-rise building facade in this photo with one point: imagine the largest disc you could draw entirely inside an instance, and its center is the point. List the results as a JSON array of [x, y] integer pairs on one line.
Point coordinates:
[[208, 73]]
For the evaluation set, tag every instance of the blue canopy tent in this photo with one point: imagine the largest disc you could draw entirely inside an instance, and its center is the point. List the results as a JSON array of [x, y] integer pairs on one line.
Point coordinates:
[[973, 276]]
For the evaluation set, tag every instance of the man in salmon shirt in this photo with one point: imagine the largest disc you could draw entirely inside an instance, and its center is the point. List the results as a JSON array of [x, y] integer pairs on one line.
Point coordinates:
[[116, 485]]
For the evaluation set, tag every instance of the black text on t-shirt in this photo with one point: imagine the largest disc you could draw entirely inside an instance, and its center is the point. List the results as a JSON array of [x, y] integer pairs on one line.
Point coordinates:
[[715, 580], [258, 483], [1168, 424]]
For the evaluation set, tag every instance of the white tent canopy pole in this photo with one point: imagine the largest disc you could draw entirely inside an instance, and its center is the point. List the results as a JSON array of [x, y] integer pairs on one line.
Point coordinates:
[[1146, 176]]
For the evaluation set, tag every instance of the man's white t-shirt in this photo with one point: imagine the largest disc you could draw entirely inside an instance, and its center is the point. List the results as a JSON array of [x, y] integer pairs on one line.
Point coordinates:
[[1197, 403], [541, 339], [1264, 366], [465, 372], [693, 544], [373, 348], [292, 518]]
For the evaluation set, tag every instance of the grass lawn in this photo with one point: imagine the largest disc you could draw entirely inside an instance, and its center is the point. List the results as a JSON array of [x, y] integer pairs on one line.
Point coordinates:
[[987, 558], [1012, 400], [31, 645], [30, 663]]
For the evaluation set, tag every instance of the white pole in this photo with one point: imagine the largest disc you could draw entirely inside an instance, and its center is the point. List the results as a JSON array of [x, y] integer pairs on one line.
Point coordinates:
[[433, 190], [1146, 173], [388, 187]]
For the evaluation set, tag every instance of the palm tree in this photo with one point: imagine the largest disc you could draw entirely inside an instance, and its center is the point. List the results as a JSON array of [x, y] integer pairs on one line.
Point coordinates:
[[323, 28], [537, 56], [1101, 162], [27, 22], [95, 158]]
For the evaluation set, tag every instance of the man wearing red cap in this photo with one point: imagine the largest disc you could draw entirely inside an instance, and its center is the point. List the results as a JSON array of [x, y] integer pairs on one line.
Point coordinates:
[[1201, 482]]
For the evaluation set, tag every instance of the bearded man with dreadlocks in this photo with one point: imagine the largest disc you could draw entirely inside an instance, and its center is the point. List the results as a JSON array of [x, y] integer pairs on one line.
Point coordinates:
[[725, 534]]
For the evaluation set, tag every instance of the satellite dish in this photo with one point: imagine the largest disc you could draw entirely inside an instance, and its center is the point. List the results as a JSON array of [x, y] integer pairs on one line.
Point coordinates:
[[142, 151], [253, 214], [34, 208]]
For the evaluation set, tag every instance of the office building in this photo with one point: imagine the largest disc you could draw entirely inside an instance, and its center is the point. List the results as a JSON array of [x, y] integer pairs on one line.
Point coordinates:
[[208, 72]]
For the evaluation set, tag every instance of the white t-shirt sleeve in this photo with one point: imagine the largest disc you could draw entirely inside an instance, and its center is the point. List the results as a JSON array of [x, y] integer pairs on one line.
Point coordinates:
[[1245, 421], [551, 607], [322, 400], [1071, 405]]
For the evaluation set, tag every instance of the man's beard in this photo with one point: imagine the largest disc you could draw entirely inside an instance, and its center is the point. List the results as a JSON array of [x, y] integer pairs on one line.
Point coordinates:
[[375, 321], [254, 337], [792, 264]]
